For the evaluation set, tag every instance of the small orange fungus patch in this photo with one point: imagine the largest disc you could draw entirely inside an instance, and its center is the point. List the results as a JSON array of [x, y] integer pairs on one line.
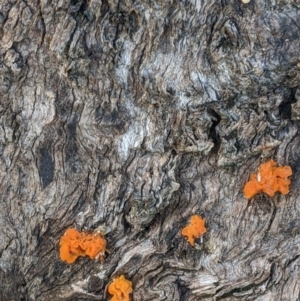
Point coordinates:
[[269, 180], [195, 229], [74, 244], [120, 288]]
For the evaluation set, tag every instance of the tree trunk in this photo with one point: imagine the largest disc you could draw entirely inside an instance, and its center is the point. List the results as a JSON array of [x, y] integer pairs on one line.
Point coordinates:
[[134, 115]]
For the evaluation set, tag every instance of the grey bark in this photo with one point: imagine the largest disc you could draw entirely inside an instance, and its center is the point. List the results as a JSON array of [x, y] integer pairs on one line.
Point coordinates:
[[134, 115]]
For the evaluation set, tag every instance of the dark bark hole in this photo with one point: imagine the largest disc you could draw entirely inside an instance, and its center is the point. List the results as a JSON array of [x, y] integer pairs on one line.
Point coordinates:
[[171, 91], [136, 259], [15, 125], [295, 165], [126, 225], [184, 292], [285, 108], [71, 146], [46, 167], [164, 41], [133, 23], [78, 6], [95, 284], [216, 118]]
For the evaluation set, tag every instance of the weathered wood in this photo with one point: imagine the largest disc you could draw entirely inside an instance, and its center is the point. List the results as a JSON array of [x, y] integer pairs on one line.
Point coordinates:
[[134, 115]]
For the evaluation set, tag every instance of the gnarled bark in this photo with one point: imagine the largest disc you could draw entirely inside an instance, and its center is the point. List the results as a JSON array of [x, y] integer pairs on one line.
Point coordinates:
[[134, 115]]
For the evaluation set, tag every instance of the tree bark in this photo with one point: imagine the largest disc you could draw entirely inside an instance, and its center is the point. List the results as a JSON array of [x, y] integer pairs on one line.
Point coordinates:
[[134, 115]]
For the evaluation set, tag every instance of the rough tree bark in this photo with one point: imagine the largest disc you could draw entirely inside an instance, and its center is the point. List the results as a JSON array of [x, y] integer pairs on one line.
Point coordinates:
[[134, 115]]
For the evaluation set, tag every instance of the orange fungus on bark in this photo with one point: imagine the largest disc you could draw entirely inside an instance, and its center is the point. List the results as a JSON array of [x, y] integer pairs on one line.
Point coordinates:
[[74, 244], [195, 229], [120, 288], [270, 179]]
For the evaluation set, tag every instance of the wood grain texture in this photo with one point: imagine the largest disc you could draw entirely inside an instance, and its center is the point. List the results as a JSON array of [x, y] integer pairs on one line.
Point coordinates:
[[134, 115]]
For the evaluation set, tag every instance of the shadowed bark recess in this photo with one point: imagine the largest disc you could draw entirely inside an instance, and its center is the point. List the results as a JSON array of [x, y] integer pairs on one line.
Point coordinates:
[[133, 116]]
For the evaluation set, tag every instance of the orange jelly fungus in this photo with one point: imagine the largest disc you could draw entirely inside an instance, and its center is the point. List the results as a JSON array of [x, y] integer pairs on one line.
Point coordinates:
[[195, 229], [120, 288], [269, 180], [74, 244]]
